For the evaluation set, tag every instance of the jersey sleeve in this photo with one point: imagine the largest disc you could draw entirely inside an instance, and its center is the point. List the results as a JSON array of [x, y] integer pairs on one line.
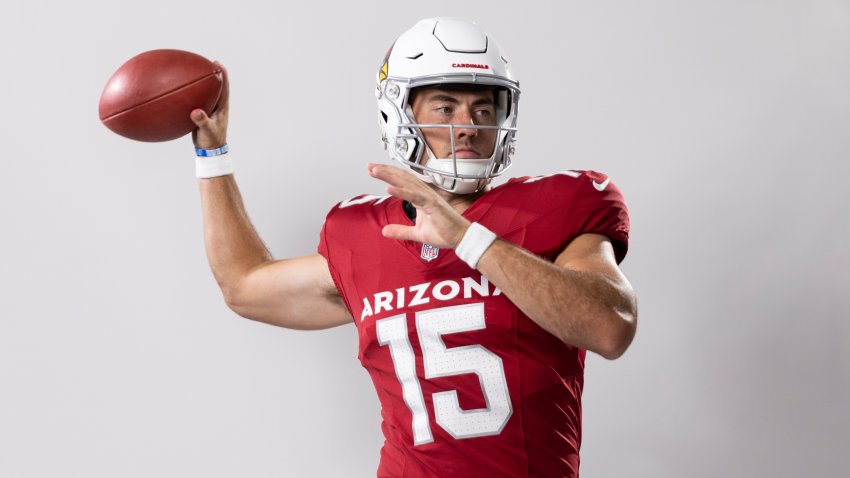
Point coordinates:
[[323, 241], [326, 240], [599, 207]]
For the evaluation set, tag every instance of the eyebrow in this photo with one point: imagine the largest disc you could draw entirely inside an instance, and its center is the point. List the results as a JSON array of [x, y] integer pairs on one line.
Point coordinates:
[[453, 100]]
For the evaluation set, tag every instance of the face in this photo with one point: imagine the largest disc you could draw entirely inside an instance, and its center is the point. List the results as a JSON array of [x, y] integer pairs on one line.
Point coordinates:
[[467, 106]]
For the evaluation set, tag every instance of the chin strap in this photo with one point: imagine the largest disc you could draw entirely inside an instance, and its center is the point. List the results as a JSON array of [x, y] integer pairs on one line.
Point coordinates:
[[458, 186], [452, 184]]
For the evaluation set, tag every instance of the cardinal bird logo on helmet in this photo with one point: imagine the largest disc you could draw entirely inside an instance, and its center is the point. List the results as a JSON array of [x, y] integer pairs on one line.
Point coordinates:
[[385, 70]]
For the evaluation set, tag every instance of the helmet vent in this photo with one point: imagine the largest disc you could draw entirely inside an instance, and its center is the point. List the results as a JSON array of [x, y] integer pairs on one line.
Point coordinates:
[[415, 56], [459, 36]]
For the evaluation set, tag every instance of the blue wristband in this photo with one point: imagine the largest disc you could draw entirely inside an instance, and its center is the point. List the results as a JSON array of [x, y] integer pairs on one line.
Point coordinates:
[[212, 152]]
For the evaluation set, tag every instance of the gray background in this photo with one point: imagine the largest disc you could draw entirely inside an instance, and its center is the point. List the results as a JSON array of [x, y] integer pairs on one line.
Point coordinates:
[[726, 124]]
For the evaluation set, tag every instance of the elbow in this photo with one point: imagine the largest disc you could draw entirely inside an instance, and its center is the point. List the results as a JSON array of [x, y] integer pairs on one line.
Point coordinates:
[[232, 298], [234, 306], [618, 336], [241, 308]]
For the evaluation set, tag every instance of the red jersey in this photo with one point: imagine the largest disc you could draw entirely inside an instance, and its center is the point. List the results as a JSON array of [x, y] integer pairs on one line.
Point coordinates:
[[468, 384]]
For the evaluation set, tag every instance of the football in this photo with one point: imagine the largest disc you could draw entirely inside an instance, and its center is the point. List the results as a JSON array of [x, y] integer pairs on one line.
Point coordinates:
[[150, 96]]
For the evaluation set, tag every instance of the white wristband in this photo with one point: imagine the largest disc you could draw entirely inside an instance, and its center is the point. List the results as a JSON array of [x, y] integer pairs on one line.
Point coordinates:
[[213, 166], [474, 243]]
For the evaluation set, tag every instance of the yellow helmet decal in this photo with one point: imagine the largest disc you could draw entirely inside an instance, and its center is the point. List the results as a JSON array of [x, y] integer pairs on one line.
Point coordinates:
[[385, 69]]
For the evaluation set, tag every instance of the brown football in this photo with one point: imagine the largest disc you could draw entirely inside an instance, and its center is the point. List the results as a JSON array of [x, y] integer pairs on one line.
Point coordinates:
[[149, 97]]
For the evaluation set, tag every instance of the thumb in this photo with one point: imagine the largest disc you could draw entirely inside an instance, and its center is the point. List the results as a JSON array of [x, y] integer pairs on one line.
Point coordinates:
[[398, 232], [199, 117]]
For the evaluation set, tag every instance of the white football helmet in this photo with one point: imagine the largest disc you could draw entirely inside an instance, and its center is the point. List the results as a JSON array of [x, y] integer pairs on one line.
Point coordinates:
[[439, 51]]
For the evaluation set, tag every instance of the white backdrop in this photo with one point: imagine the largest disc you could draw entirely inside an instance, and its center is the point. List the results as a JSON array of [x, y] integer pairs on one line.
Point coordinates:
[[725, 123]]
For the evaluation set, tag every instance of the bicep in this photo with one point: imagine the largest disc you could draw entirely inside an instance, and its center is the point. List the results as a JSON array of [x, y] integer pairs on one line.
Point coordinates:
[[591, 253], [614, 316], [296, 293]]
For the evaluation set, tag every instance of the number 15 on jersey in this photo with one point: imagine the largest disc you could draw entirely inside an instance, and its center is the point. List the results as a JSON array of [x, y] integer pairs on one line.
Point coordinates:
[[440, 361]]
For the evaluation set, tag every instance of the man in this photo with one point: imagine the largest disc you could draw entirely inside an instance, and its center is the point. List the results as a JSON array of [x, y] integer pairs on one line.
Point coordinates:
[[474, 305]]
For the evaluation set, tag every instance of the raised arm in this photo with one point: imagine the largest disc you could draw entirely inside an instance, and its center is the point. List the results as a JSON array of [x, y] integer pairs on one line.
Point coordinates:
[[294, 293]]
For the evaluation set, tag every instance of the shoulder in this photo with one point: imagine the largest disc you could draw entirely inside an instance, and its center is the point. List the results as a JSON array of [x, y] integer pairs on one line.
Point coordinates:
[[353, 223], [563, 187], [359, 206], [576, 202], [359, 215], [365, 200]]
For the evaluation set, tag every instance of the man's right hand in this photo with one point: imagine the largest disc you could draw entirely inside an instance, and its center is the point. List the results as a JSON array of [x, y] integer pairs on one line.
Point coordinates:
[[211, 132]]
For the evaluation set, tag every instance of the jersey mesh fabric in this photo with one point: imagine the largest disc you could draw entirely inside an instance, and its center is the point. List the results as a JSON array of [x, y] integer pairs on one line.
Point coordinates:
[[506, 358]]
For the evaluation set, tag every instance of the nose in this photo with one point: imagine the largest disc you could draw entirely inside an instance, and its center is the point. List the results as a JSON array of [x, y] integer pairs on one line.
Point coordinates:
[[464, 117]]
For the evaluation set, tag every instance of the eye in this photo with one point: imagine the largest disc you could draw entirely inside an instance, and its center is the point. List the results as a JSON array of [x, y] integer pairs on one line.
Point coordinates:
[[443, 110], [486, 115]]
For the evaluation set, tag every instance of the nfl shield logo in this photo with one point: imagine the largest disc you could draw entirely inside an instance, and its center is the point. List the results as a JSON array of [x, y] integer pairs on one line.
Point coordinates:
[[429, 252]]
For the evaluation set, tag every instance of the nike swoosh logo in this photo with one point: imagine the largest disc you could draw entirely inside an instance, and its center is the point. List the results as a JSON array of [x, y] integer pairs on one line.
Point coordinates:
[[601, 187]]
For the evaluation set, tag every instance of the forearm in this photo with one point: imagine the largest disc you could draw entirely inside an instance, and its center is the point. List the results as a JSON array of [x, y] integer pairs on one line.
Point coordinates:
[[586, 309], [232, 244]]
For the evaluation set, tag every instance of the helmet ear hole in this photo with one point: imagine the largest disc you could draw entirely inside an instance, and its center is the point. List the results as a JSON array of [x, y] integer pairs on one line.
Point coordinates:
[[503, 104]]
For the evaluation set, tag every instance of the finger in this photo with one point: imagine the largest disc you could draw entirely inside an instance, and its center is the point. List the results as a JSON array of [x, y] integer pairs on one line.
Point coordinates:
[[404, 175], [199, 117], [406, 194], [224, 98], [399, 232], [379, 171], [391, 175], [403, 185]]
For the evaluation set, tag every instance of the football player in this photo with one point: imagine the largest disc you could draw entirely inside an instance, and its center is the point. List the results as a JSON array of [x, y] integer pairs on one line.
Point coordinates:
[[474, 305]]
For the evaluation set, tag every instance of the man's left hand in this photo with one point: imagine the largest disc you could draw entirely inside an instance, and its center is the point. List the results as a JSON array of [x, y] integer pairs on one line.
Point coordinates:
[[437, 223]]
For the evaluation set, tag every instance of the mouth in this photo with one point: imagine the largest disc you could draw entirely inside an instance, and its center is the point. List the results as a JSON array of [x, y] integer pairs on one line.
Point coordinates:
[[466, 153]]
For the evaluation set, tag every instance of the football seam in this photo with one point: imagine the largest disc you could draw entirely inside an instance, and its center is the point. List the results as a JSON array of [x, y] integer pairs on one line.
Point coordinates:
[[187, 85]]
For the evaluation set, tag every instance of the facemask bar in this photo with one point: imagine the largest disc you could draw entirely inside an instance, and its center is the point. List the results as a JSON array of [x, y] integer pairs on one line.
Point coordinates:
[[488, 172]]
